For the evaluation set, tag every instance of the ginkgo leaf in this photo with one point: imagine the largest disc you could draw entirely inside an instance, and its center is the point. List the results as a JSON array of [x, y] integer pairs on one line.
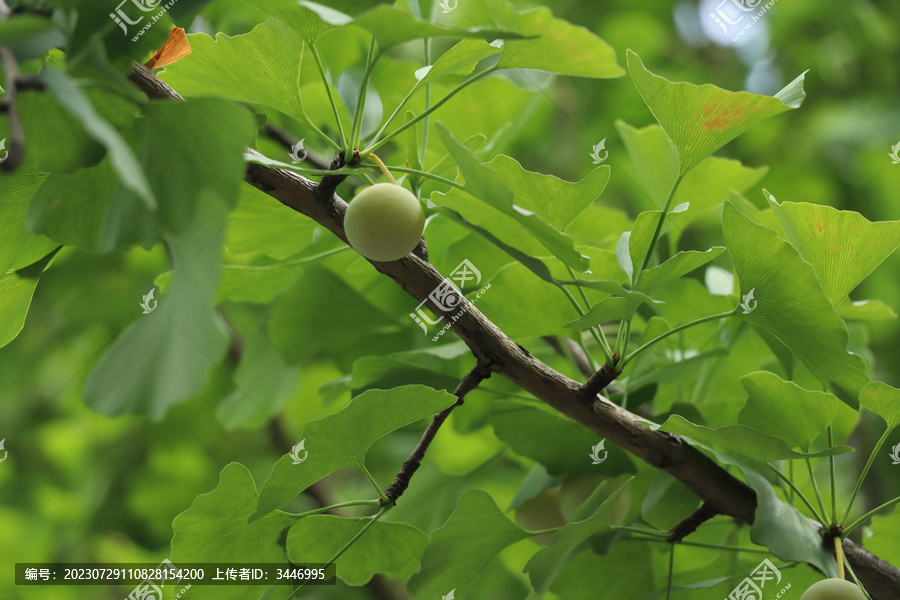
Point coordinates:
[[781, 294], [883, 400], [387, 547], [259, 67], [802, 414], [841, 245], [700, 119], [556, 46], [343, 438], [743, 440], [450, 559]]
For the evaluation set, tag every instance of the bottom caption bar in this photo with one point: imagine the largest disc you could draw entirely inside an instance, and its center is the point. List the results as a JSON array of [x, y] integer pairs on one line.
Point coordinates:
[[167, 573]]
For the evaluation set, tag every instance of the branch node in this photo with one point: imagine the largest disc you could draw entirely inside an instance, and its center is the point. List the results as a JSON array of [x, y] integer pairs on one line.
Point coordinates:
[[329, 184], [599, 380]]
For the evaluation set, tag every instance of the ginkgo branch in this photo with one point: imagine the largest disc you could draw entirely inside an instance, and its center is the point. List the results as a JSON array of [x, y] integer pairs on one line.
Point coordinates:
[[478, 374], [13, 155]]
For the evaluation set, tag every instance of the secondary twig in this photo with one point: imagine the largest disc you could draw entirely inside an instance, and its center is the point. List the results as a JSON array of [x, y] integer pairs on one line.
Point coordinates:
[[489, 344], [478, 374], [691, 523], [599, 380], [16, 149], [12, 156]]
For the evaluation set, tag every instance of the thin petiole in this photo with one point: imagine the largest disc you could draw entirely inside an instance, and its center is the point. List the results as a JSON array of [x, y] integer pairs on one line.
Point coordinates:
[[337, 116], [659, 226], [702, 545], [821, 502], [333, 506], [865, 471], [682, 327], [581, 313], [607, 351], [374, 483], [671, 570], [869, 515], [356, 127], [834, 520], [472, 79], [806, 501], [372, 520]]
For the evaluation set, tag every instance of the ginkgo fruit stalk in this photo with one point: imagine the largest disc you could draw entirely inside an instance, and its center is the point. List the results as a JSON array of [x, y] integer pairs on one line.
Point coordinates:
[[833, 589], [384, 222]]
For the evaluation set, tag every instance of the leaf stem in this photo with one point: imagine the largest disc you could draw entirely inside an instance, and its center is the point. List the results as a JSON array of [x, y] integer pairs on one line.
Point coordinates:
[[472, 79], [834, 520], [315, 127], [374, 483], [855, 578], [372, 520], [424, 152], [803, 497], [659, 226], [868, 516], [865, 471], [334, 108], [821, 502], [421, 173], [339, 505], [356, 127], [724, 547], [543, 531], [682, 327], [671, 569], [650, 532], [601, 339]]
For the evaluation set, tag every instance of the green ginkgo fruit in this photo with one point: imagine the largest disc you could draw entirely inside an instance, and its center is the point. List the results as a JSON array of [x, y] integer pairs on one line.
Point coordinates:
[[384, 222], [833, 589]]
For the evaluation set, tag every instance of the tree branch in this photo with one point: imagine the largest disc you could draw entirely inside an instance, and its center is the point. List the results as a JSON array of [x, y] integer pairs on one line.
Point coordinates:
[[691, 523], [12, 157], [722, 491], [478, 374]]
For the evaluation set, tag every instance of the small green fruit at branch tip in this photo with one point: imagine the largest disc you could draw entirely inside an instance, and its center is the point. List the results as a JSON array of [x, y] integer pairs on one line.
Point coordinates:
[[384, 222], [833, 589]]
